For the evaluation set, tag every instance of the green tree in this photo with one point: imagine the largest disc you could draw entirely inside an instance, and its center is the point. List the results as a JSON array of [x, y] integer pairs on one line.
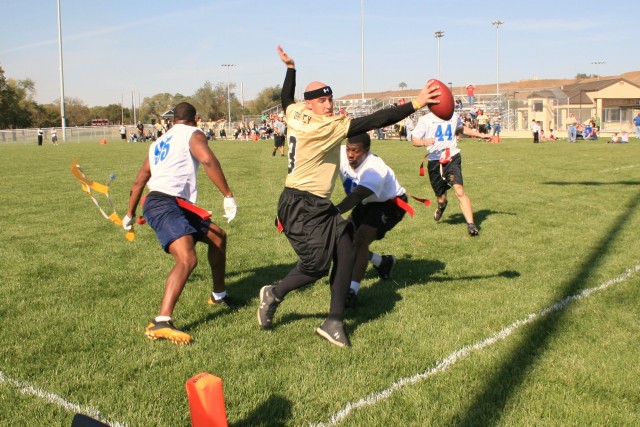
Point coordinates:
[[152, 107], [402, 85], [17, 108], [267, 98]]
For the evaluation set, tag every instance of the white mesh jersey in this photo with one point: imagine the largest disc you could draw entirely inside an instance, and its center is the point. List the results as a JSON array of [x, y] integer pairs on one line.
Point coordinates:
[[443, 131], [173, 168], [374, 174]]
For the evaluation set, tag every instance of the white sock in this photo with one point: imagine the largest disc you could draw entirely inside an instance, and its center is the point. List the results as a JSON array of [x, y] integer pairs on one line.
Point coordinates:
[[355, 286], [162, 319], [219, 295], [375, 259]]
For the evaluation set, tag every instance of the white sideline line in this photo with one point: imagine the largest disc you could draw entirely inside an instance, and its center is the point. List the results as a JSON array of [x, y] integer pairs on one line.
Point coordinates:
[[620, 168], [444, 364], [28, 389]]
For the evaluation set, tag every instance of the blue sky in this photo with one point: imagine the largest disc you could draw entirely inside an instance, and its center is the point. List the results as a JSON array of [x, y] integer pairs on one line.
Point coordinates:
[[175, 46]]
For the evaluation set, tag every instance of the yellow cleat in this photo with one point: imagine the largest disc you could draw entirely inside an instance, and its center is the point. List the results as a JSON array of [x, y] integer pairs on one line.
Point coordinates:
[[166, 331]]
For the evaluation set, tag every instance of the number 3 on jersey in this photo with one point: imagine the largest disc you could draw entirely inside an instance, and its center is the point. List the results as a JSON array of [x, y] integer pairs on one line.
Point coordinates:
[[448, 134], [292, 153]]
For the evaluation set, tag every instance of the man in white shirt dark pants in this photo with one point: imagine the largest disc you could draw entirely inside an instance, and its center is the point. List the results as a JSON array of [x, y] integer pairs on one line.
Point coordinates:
[[376, 197], [170, 171]]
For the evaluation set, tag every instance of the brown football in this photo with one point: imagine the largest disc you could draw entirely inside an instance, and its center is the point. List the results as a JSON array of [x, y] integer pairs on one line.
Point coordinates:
[[444, 110]]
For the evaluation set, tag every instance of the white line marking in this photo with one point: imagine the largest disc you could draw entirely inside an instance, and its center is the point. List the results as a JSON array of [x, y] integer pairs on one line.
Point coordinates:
[[620, 168], [28, 389], [450, 360]]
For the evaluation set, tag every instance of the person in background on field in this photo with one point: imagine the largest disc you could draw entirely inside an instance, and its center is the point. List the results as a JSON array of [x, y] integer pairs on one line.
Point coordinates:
[[445, 161], [592, 134], [170, 171], [572, 131], [54, 136], [636, 123], [470, 94], [40, 136], [313, 225], [497, 125], [535, 131], [409, 126], [615, 139], [624, 137], [482, 120], [279, 134], [123, 133], [376, 197], [458, 104], [552, 135], [140, 128]]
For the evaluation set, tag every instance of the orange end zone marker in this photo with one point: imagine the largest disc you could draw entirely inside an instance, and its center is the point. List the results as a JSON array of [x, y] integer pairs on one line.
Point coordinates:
[[206, 401]]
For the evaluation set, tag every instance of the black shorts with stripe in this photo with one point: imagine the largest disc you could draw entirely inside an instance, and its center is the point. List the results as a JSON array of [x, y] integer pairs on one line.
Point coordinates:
[[451, 173], [313, 226], [382, 216]]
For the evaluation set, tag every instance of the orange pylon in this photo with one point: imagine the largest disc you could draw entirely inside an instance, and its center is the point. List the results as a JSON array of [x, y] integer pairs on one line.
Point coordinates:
[[206, 401]]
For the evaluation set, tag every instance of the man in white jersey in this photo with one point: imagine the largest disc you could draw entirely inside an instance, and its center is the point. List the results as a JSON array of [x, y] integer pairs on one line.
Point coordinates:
[[170, 171], [376, 197], [445, 163]]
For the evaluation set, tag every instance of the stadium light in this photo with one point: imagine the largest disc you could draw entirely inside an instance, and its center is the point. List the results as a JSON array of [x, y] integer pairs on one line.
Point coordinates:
[[362, 48], [63, 118], [228, 66], [438, 35], [497, 24]]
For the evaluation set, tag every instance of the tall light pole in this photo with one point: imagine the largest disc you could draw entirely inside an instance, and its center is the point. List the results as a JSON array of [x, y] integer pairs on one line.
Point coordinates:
[[497, 23], [63, 117], [228, 66], [438, 35], [362, 48]]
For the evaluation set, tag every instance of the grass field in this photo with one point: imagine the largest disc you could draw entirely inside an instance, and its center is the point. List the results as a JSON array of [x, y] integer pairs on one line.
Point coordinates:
[[466, 334]]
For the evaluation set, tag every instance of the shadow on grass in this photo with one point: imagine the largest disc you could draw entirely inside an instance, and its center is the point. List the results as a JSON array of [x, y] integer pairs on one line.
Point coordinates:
[[478, 217], [591, 183], [274, 412], [487, 406], [377, 300]]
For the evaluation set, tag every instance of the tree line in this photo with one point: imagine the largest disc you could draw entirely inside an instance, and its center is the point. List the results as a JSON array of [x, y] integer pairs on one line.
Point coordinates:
[[18, 109]]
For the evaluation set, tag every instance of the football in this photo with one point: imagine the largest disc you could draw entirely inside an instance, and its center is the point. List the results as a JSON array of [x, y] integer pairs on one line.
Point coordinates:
[[444, 110]]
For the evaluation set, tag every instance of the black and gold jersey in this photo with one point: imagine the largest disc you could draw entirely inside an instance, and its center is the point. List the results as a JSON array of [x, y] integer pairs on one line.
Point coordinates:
[[314, 149]]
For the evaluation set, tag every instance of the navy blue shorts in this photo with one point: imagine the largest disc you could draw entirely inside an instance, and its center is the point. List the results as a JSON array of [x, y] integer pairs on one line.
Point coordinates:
[[169, 221]]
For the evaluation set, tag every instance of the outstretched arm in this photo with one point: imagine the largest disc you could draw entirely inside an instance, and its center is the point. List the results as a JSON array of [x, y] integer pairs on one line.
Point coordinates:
[[289, 86], [390, 116]]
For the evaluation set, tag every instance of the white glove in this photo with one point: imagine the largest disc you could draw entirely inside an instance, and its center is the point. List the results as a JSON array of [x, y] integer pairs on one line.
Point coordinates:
[[230, 208], [127, 222]]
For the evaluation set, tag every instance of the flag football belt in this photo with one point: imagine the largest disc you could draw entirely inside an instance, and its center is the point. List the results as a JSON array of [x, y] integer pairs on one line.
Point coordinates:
[[188, 206], [88, 186]]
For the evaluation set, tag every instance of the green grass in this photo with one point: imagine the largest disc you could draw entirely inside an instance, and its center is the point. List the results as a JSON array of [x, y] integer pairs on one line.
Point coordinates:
[[554, 219]]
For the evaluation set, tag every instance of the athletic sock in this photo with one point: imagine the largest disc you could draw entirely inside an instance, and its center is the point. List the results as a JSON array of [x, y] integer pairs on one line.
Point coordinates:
[[355, 286], [375, 259], [162, 319], [219, 295]]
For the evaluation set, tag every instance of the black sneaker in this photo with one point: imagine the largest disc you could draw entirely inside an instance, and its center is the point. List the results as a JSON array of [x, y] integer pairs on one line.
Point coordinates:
[[472, 229], [267, 308], [225, 302], [438, 213], [352, 299], [386, 265], [334, 332]]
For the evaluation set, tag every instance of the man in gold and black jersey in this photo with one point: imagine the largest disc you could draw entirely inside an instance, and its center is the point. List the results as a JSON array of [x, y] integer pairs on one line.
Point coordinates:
[[313, 225]]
